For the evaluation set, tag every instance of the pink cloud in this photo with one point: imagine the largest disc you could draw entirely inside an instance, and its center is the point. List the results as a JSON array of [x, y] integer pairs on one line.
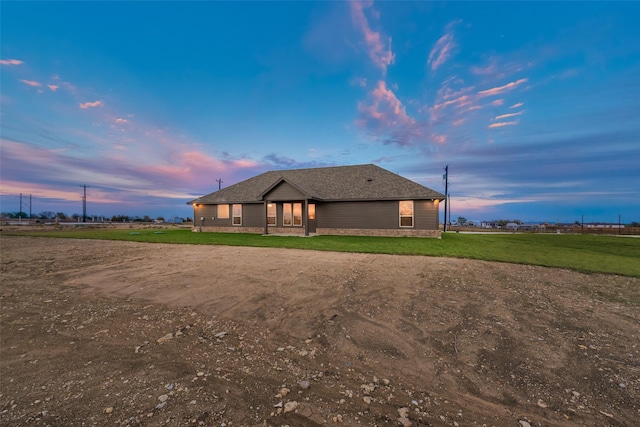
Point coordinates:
[[379, 51], [386, 117], [91, 104], [501, 89], [31, 83], [502, 124], [10, 62], [385, 107], [497, 102], [490, 69], [121, 121], [518, 105], [439, 139], [441, 51], [504, 116], [53, 87], [460, 102]]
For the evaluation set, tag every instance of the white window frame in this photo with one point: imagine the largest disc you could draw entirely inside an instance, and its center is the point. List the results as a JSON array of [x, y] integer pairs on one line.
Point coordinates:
[[297, 219], [404, 216], [236, 215], [223, 211], [272, 220], [287, 214]]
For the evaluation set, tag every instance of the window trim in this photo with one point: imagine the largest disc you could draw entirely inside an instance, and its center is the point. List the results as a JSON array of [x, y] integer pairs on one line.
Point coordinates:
[[274, 216], [401, 216], [234, 216], [288, 212], [299, 217]]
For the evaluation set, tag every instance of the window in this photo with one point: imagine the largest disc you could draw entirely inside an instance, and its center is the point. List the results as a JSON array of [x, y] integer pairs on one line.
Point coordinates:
[[271, 214], [286, 214], [406, 213], [292, 214], [312, 211], [237, 215], [223, 211], [297, 214]]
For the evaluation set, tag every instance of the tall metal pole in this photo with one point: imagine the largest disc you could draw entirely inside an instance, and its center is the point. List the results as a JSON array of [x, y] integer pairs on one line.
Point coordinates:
[[29, 207], [446, 194], [20, 213], [84, 203], [219, 180]]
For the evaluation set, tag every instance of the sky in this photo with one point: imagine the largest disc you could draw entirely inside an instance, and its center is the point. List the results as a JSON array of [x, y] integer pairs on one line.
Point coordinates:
[[534, 106]]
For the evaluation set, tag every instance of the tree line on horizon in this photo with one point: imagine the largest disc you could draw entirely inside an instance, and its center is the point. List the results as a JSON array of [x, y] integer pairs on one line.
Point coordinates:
[[61, 216]]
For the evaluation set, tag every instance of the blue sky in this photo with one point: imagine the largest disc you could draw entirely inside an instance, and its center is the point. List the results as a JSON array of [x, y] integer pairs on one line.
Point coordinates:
[[534, 106]]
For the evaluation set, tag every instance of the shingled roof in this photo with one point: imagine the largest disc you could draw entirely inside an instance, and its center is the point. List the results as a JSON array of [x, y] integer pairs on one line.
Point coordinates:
[[340, 183]]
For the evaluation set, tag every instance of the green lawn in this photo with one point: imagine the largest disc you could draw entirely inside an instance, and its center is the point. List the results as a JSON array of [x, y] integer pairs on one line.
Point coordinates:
[[603, 254]]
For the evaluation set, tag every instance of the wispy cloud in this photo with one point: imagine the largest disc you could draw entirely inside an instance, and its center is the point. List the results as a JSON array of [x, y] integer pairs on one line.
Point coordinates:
[[53, 87], [93, 104], [505, 116], [10, 62], [120, 120], [441, 51], [384, 115], [502, 89], [518, 105], [31, 83], [379, 50], [502, 124]]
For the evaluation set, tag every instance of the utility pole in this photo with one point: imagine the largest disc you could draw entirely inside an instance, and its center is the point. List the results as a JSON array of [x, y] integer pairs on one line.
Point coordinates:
[[20, 212], [84, 203], [446, 194], [219, 181], [29, 207]]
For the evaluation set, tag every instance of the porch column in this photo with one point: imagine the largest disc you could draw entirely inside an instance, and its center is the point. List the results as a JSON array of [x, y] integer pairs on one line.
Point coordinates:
[[266, 217], [305, 217]]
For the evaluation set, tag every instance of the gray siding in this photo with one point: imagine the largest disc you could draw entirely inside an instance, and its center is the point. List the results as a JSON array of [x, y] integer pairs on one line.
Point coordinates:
[[253, 215], [381, 215], [284, 192], [375, 215], [426, 215], [364, 215]]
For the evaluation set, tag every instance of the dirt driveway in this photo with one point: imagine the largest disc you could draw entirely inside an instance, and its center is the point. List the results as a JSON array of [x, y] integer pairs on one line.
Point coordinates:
[[127, 334]]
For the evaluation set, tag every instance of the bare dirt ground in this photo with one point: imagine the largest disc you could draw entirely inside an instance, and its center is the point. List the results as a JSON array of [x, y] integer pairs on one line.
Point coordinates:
[[127, 334]]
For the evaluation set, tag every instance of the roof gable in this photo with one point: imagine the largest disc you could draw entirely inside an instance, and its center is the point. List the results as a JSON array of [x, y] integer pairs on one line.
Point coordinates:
[[339, 183]]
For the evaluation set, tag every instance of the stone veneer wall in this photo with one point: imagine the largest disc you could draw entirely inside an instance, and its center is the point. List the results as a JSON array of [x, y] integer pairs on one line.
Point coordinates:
[[298, 231], [379, 232], [248, 230]]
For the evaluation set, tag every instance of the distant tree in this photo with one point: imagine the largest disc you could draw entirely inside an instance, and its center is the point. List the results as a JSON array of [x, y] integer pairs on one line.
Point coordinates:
[[634, 224], [119, 218], [146, 218], [20, 215], [188, 219], [517, 221], [462, 220], [46, 215], [75, 217], [160, 218], [61, 215]]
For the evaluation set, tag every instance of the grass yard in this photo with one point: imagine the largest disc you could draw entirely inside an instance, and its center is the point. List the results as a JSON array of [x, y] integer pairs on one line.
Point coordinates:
[[586, 253]]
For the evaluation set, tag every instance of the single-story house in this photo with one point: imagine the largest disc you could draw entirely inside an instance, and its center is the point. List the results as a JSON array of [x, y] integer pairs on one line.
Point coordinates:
[[342, 200]]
